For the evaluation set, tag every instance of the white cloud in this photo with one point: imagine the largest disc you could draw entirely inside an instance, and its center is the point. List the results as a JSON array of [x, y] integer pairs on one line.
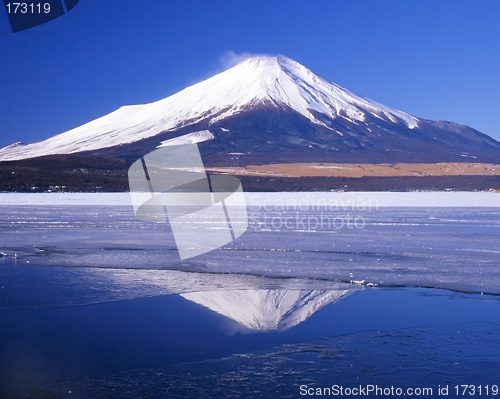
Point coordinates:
[[229, 58]]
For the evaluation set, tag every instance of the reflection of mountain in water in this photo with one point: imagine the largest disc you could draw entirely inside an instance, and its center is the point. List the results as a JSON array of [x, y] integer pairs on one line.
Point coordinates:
[[267, 309]]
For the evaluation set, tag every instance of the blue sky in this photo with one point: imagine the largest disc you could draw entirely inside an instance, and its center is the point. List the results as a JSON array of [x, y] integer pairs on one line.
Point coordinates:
[[433, 59]]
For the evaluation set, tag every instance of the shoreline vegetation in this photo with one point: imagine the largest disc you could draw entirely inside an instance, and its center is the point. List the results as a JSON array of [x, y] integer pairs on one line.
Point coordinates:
[[68, 173]]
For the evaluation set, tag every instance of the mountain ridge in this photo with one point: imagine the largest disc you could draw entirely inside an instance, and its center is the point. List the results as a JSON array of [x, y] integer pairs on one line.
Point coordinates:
[[321, 115]]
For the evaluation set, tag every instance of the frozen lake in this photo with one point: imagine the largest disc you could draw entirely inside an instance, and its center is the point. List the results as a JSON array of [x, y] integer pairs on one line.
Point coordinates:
[[372, 288], [342, 238]]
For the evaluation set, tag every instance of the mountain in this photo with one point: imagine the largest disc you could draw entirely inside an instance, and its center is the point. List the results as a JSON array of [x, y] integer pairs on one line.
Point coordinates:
[[265, 310], [265, 110], [268, 105]]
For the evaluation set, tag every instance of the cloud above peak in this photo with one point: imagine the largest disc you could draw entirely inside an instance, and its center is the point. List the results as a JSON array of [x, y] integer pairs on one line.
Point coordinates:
[[229, 58]]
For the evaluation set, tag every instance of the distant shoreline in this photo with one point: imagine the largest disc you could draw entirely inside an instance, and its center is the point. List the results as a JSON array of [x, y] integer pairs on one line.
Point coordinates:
[[83, 174]]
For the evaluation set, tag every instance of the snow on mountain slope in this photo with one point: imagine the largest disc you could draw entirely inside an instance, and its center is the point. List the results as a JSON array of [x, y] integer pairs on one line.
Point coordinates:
[[190, 138], [274, 80], [266, 309]]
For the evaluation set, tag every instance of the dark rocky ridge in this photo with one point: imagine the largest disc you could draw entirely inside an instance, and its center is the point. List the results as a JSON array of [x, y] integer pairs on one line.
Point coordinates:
[[267, 134]]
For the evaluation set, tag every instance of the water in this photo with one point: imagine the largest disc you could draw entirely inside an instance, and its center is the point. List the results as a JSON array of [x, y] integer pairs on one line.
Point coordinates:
[[95, 302], [384, 336]]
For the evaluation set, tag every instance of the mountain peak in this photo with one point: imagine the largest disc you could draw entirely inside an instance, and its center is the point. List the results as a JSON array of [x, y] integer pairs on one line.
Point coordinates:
[[275, 80], [269, 64]]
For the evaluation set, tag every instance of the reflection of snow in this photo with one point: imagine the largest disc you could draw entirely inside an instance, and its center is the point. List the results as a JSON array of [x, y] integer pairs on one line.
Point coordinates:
[[35, 287], [266, 309]]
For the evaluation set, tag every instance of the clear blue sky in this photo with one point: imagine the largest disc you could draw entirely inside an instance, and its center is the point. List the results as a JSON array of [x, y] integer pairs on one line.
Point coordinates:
[[433, 59]]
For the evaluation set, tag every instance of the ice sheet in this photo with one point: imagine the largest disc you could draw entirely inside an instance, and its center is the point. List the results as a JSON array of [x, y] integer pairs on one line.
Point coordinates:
[[340, 200], [453, 248]]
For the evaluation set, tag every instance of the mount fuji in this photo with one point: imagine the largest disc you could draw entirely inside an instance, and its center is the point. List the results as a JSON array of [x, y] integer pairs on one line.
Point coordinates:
[[265, 310], [262, 105], [264, 110]]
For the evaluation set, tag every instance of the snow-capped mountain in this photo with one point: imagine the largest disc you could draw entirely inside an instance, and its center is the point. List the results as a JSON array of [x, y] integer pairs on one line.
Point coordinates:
[[265, 310], [265, 105]]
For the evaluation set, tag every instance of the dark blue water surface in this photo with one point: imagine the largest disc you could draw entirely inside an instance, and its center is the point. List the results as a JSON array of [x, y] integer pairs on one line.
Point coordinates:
[[168, 346]]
